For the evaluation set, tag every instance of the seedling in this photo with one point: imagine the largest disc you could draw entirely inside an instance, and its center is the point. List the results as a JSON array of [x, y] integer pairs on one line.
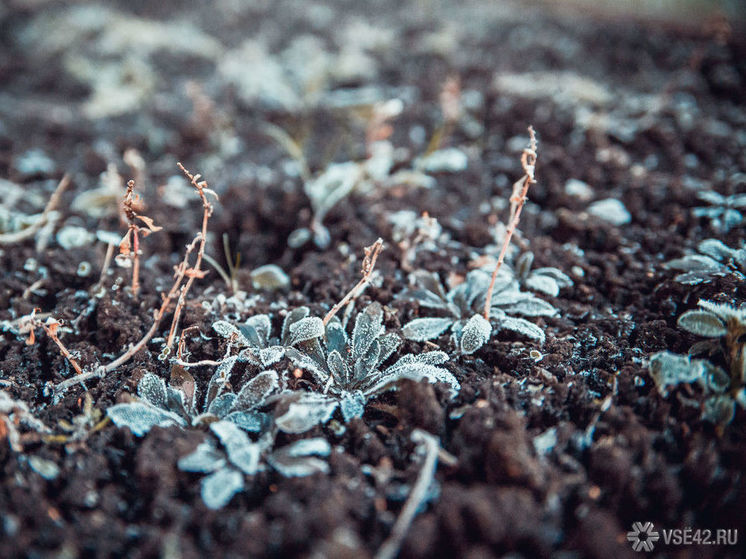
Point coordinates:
[[725, 212]]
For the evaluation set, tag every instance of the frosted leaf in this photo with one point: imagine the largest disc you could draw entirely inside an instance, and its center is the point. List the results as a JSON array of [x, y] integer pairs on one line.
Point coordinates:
[[423, 329], [352, 404], [221, 405], [531, 306], [141, 417], [522, 326], [271, 355], [307, 411], [289, 466], [205, 458], [694, 262], [368, 326], [242, 452], [227, 330], [306, 329], [152, 389], [702, 323], [543, 284], [219, 378], [561, 278], [670, 369], [610, 210], [254, 393], [269, 278], [291, 318], [220, 487], [447, 160], [338, 367], [725, 312], [715, 249], [262, 326], [299, 237], [424, 298], [389, 344], [475, 333], [366, 364], [428, 281], [251, 421], [303, 361], [426, 358], [336, 337]]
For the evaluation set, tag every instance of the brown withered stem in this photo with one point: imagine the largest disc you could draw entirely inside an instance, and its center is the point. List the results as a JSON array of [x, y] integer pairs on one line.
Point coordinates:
[[517, 200], [181, 271], [30, 231], [195, 271], [369, 264], [50, 326], [129, 247]]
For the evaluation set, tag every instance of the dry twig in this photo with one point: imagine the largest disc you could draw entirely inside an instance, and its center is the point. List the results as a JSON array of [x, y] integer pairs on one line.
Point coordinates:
[[50, 326], [129, 247], [369, 264], [391, 546], [517, 200]]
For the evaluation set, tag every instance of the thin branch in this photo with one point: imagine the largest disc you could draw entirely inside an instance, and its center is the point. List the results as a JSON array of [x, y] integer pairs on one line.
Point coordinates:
[[195, 271], [31, 230], [104, 267], [50, 327], [517, 200], [392, 545], [369, 264]]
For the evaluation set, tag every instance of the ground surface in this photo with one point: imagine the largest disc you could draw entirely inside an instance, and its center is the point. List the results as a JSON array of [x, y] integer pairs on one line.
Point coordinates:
[[648, 114]]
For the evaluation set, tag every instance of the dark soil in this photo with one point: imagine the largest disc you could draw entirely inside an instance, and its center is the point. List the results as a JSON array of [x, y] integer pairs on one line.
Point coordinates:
[[642, 458]]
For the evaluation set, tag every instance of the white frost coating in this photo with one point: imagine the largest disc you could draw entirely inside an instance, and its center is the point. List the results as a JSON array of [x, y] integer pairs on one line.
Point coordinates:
[[255, 392], [307, 412], [307, 447], [524, 327], [141, 417], [448, 160], [242, 452], [306, 329], [152, 389], [702, 323], [220, 487], [610, 210], [423, 329], [204, 459], [475, 334], [269, 277]]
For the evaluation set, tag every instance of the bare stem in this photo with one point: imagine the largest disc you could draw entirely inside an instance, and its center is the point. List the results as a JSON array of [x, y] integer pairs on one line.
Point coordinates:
[[391, 546], [369, 264], [517, 200], [50, 327], [30, 231], [195, 271]]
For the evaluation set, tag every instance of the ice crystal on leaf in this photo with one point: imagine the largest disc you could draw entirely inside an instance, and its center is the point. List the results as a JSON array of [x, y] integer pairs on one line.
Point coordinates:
[[714, 259]]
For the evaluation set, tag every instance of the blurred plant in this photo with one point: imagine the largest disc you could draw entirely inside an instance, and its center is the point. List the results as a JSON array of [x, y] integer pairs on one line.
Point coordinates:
[[412, 234], [82, 425], [231, 276], [725, 212], [545, 280], [714, 259], [725, 325], [239, 456]]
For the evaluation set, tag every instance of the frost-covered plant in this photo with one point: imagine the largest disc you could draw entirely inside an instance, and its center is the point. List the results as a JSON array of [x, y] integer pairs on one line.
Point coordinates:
[[238, 456], [413, 233], [255, 342], [177, 403], [725, 212], [469, 329], [725, 326], [545, 280], [714, 259], [350, 369]]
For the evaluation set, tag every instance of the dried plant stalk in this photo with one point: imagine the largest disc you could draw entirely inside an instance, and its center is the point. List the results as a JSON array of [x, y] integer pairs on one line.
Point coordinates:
[[195, 271], [369, 264], [129, 247], [517, 200], [50, 326]]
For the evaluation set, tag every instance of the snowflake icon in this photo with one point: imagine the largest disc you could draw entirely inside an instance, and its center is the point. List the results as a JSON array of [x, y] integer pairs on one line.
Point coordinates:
[[643, 536]]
